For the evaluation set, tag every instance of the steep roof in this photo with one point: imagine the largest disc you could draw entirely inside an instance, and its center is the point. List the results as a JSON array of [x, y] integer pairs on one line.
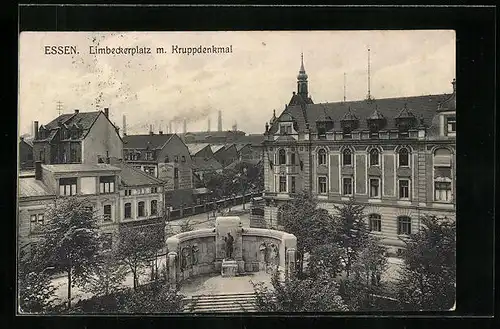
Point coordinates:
[[254, 139], [131, 176], [195, 148], [421, 106], [216, 148], [155, 141], [202, 163], [31, 187]]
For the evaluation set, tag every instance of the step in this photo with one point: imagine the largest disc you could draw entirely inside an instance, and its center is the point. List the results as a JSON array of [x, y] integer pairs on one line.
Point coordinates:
[[222, 309]]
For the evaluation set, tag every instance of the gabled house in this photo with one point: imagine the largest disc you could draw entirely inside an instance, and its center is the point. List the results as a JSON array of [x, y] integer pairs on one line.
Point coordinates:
[[79, 137], [25, 153], [164, 156], [225, 154]]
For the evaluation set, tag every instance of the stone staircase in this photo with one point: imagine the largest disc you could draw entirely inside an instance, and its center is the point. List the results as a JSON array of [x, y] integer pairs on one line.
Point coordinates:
[[221, 303]]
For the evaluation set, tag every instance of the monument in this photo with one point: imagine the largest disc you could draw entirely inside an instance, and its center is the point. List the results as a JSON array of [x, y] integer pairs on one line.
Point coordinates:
[[228, 246]]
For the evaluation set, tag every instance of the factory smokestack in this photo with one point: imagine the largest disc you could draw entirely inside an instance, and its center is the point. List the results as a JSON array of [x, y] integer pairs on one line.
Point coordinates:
[[208, 124], [219, 122], [124, 125], [184, 128]]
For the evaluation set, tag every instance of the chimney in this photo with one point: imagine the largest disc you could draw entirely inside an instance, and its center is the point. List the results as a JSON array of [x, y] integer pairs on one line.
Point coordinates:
[[106, 112], [124, 126], [151, 129], [454, 83], [35, 128], [208, 124], [77, 111], [160, 132], [184, 128], [38, 170], [219, 122]]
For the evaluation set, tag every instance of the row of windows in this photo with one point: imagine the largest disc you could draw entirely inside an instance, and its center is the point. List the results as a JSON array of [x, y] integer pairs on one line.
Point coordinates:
[[141, 209], [145, 190], [375, 224], [67, 186], [442, 190], [374, 157], [149, 156]]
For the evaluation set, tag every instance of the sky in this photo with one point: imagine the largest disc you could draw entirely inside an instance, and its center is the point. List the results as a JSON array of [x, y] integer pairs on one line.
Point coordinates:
[[246, 85]]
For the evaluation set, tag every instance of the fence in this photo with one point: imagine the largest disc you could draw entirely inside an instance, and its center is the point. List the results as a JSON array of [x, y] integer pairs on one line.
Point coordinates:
[[209, 206]]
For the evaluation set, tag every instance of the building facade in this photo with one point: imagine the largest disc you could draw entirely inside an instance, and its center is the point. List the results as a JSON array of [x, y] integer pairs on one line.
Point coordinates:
[[164, 156], [79, 137], [395, 156], [25, 154], [98, 184]]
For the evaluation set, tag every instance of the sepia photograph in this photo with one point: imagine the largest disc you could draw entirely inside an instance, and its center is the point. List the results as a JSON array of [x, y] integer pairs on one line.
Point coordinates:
[[236, 172]]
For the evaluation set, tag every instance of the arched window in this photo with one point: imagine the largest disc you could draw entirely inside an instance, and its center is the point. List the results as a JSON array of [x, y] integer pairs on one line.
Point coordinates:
[[375, 222], [374, 157], [404, 157], [140, 209], [404, 225], [347, 157], [128, 210], [281, 157], [442, 175], [154, 207], [322, 157]]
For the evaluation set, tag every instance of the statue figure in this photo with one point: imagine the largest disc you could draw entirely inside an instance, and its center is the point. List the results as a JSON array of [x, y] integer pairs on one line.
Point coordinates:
[[195, 250], [185, 258], [229, 245]]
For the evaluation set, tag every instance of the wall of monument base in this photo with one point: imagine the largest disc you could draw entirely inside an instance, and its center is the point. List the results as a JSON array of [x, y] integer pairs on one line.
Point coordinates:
[[389, 220], [195, 252]]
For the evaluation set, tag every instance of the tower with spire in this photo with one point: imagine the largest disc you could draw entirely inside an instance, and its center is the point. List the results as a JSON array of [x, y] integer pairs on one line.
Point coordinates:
[[301, 97]]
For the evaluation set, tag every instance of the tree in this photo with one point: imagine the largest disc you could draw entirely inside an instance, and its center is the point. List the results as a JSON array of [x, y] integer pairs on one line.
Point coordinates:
[[351, 232], [325, 259], [186, 226], [36, 292], [428, 279], [136, 247], [107, 276], [311, 225], [70, 239], [292, 294], [367, 269]]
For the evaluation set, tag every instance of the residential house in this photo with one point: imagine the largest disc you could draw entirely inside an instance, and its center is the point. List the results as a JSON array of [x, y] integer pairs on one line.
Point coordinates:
[[79, 137], [25, 153], [141, 198], [395, 156], [225, 154], [164, 156], [40, 189]]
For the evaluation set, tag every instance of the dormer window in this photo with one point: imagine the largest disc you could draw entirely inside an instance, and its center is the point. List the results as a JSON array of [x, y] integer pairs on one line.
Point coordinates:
[[375, 122], [286, 128], [405, 121], [321, 127], [451, 126], [349, 123]]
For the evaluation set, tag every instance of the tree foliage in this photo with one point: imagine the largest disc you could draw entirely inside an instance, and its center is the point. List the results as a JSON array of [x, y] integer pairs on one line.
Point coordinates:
[[155, 298], [351, 232], [36, 292], [70, 240], [292, 294], [367, 269], [107, 276], [137, 246], [427, 281]]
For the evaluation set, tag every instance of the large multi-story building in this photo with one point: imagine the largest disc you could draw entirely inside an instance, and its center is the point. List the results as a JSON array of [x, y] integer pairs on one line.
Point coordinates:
[[42, 188], [79, 137], [396, 156]]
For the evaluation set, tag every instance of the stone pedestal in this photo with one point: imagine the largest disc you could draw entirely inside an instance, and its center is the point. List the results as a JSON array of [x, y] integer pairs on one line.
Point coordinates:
[[233, 226], [229, 268]]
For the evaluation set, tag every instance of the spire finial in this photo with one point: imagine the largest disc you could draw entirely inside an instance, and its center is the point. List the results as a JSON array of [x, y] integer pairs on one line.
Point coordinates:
[[302, 69], [369, 96], [344, 86]]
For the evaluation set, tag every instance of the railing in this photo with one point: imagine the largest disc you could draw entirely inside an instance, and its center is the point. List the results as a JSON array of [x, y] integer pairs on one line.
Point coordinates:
[[212, 205]]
